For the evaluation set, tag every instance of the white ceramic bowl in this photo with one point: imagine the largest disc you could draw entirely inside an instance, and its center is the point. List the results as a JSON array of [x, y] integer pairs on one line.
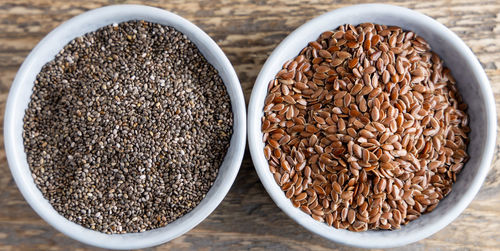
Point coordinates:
[[472, 83], [19, 98]]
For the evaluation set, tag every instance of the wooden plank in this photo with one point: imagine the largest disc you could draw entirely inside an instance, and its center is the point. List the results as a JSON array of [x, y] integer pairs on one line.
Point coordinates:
[[247, 31]]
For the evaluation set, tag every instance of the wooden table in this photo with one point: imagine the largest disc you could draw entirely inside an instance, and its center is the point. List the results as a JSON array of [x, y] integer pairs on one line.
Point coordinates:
[[247, 31]]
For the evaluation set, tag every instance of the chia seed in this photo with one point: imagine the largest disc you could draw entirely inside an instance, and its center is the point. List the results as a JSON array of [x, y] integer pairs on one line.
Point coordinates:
[[127, 128]]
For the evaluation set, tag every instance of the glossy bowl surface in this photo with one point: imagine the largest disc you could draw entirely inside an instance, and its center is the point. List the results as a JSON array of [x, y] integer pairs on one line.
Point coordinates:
[[472, 82], [19, 97]]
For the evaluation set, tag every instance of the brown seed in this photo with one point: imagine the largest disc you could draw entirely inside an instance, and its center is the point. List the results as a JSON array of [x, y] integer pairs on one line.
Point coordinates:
[[318, 218], [318, 212], [346, 195], [329, 219], [285, 165], [325, 54], [301, 196], [352, 63], [336, 187], [306, 209], [343, 54], [267, 152], [312, 129], [351, 216], [323, 68], [369, 70]]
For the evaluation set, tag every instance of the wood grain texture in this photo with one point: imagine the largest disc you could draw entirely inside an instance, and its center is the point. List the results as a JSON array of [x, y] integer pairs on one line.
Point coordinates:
[[247, 31]]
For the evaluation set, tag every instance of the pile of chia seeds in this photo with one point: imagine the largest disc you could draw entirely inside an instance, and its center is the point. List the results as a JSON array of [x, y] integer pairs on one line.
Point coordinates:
[[127, 128]]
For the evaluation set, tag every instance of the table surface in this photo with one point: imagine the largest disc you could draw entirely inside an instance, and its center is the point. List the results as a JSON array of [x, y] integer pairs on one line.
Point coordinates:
[[247, 31]]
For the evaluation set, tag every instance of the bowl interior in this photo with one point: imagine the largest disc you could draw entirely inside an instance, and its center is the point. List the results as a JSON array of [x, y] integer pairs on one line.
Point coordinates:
[[472, 84], [19, 98]]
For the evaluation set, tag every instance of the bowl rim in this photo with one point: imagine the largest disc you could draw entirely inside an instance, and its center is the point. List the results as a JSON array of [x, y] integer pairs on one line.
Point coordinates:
[[262, 168], [148, 238]]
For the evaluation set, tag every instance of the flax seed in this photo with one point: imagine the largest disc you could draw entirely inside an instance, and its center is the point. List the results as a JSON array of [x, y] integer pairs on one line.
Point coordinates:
[[375, 106]]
